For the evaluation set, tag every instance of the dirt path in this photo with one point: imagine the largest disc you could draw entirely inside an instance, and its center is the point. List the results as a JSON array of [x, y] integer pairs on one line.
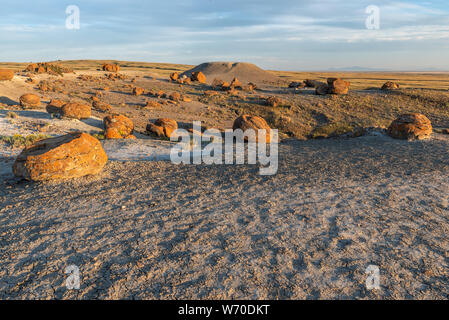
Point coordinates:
[[160, 231]]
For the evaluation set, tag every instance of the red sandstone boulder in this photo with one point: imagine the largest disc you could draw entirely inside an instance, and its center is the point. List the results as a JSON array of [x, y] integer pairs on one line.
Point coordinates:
[[70, 156], [338, 86], [255, 123], [110, 67], [162, 127], [138, 91], [174, 76], [389, 85], [198, 76], [6, 74], [30, 100], [411, 126], [76, 111], [118, 126]]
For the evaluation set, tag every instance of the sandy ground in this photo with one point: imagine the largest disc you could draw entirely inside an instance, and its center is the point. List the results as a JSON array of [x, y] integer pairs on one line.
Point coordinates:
[[155, 230]]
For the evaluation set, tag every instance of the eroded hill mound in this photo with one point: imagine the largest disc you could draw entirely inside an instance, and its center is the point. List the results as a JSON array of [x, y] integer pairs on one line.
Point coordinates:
[[246, 72]]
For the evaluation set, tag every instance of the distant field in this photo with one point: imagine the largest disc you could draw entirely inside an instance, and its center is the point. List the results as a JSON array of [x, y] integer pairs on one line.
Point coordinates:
[[359, 80], [367, 80]]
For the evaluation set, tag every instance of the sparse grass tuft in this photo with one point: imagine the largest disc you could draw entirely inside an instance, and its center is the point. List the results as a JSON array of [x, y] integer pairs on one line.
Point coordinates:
[[99, 135], [331, 130], [12, 115], [18, 140]]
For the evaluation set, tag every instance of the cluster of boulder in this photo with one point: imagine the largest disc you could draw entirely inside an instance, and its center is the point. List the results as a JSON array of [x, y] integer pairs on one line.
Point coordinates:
[[78, 154], [333, 86], [221, 85], [173, 97], [195, 76], [110, 67], [45, 67], [175, 77], [297, 85]]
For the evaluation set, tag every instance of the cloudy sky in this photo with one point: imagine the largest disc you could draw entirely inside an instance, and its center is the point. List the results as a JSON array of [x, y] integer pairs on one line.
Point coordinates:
[[274, 34]]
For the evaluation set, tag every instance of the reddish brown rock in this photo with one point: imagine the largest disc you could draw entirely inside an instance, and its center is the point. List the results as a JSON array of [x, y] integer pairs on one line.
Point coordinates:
[[110, 67], [174, 76], [138, 91], [389, 85], [411, 126], [30, 81], [273, 101], [118, 126], [250, 87], [162, 127], [76, 111], [70, 156], [198, 76], [256, 123], [6, 74], [32, 67], [30, 100], [175, 96], [312, 83], [55, 106], [152, 104], [297, 84], [235, 83], [219, 84], [210, 93], [101, 106], [338, 86], [321, 88]]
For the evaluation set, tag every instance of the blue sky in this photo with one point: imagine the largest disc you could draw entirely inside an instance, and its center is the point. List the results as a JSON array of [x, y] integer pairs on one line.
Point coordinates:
[[275, 34]]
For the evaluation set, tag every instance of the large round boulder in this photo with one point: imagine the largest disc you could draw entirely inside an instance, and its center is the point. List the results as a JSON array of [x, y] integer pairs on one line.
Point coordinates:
[[255, 123], [162, 127], [338, 86], [118, 126], [76, 111], [6, 74], [30, 100], [70, 156], [411, 126]]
